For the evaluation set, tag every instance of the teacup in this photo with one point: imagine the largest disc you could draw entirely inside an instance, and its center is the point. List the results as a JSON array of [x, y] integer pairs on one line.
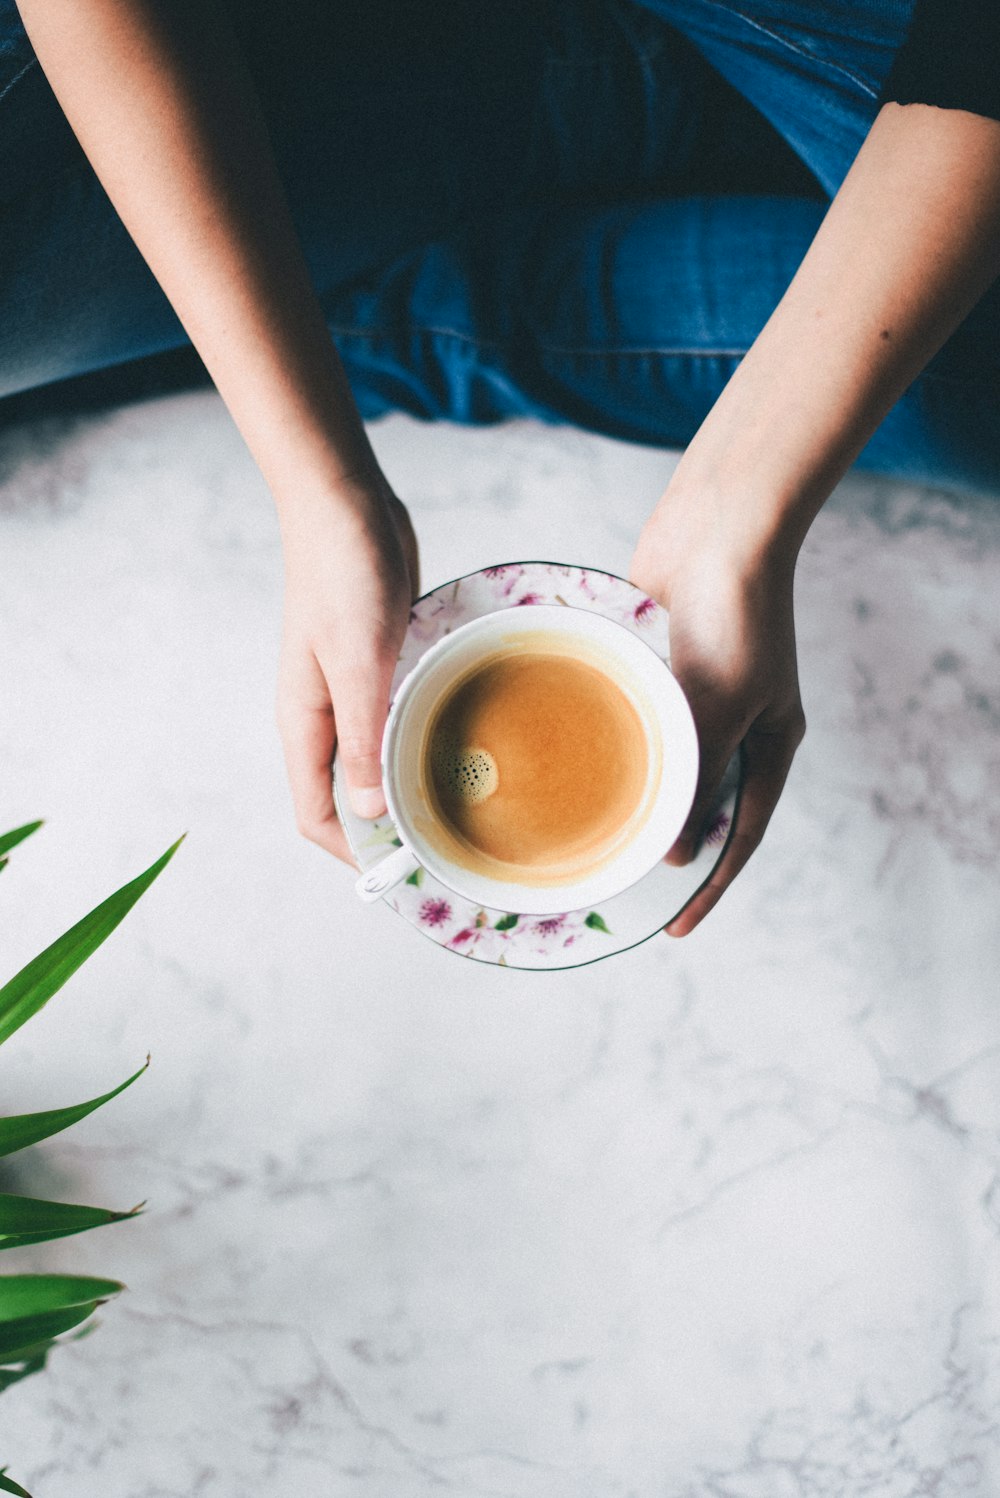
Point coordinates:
[[630, 702]]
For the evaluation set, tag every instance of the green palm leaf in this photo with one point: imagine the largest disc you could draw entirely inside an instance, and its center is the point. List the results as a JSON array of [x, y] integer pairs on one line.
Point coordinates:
[[34, 1364], [8, 1485], [10, 840], [18, 1337], [23, 1219], [22, 1129], [35, 984], [37, 1294], [27, 1240], [33, 1359]]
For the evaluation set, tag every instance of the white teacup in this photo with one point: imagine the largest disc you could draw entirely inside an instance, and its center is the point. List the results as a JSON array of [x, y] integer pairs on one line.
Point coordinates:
[[646, 680]]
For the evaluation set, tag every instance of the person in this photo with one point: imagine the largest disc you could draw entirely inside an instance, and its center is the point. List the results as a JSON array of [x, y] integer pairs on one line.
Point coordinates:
[[765, 232]]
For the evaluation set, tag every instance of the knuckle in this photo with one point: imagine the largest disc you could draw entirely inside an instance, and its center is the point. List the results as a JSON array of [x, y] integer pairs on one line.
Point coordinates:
[[360, 746], [311, 828], [293, 708], [360, 656]]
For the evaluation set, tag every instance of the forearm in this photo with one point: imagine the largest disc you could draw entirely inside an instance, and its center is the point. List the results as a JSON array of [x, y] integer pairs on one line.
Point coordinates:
[[165, 109], [909, 245]]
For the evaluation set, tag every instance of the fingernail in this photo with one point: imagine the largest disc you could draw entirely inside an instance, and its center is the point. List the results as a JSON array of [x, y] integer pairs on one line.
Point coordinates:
[[679, 854], [367, 801]]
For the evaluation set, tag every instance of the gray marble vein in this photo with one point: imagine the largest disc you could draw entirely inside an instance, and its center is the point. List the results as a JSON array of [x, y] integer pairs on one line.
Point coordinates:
[[718, 1219]]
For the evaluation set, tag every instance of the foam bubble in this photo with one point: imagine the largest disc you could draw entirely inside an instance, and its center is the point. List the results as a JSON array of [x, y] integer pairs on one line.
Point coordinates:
[[469, 774]]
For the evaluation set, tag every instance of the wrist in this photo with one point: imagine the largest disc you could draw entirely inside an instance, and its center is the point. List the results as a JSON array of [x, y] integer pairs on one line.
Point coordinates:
[[724, 523], [354, 502], [320, 455], [758, 483]]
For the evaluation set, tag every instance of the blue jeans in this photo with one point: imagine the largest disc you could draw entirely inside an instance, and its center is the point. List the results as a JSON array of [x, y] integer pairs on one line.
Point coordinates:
[[578, 210]]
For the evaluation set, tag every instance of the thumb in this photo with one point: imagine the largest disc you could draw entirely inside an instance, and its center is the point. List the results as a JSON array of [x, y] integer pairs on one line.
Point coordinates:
[[713, 766], [720, 724], [359, 689]]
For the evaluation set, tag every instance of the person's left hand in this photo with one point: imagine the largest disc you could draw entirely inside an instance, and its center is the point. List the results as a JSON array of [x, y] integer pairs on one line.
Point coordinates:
[[732, 646]]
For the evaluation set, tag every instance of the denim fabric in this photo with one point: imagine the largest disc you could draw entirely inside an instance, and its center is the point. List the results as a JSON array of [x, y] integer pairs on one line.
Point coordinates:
[[579, 210]]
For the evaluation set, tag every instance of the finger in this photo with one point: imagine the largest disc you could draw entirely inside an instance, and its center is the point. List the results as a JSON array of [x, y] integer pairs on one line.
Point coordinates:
[[684, 849], [359, 684], [767, 758], [308, 737], [718, 741]]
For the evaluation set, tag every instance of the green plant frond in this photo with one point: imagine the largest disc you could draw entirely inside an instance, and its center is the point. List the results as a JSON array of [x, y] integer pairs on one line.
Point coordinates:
[[32, 1358], [27, 1240], [8, 1485], [37, 1309], [10, 840], [20, 1335], [37, 1294], [24, 1219], [22, 1129], [35, 984], [14, 1375]]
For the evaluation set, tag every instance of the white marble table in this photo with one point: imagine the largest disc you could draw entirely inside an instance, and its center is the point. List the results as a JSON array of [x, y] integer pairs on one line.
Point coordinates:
[[718, 1219]]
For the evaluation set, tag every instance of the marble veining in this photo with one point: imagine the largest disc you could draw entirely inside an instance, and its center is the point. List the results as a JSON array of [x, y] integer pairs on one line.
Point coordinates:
[[718, 1219]]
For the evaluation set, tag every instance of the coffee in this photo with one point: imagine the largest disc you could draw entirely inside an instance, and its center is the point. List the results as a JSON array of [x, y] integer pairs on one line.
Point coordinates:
[[535, 763]]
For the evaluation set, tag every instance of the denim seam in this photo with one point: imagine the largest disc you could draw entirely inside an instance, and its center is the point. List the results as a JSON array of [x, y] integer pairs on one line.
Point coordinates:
[[369, 332], [31, 63], [543, 348], [786, 42], [603, 353]]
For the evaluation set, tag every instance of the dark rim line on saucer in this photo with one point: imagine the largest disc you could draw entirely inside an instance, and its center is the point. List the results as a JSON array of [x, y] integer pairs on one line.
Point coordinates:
[[534, 562], [600, 957]]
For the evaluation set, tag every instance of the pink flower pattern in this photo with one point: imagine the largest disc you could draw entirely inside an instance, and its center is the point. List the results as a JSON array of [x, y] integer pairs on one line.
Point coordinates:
[[715, 833], [495, 936], [507, 575], [490, 937], [549, 925], [435, 912]]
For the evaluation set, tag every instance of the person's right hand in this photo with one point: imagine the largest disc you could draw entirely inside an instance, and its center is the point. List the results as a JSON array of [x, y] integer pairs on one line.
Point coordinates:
[[351, 573]]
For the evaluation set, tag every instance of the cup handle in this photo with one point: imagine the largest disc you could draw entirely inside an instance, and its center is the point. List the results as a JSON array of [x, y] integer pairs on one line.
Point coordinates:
[[386, 875]]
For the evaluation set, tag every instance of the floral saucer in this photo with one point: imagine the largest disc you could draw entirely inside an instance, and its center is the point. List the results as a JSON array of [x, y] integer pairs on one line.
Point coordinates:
[[508, 938]]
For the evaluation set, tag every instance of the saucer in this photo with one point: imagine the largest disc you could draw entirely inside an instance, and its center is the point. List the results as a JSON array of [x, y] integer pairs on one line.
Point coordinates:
[[504, 937]]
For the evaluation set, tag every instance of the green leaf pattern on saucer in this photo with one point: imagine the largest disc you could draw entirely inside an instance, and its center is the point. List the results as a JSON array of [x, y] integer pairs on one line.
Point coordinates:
[[507, 938]]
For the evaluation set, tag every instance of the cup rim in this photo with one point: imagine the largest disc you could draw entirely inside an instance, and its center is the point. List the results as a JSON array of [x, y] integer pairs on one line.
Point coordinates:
[[599, 887]]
